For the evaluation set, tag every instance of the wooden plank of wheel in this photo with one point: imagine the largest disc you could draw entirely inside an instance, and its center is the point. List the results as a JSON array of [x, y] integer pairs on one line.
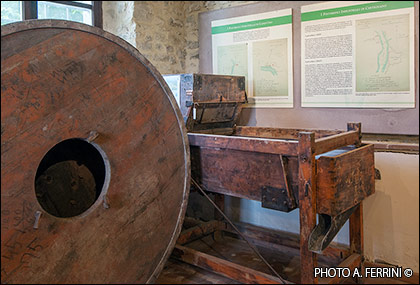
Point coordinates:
[[95, 163]]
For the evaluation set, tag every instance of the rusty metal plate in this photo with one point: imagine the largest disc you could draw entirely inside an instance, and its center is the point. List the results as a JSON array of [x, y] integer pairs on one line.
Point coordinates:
[[61, 82]]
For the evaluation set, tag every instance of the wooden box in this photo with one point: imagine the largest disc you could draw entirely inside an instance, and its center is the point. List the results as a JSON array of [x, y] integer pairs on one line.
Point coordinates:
[[262, 164]]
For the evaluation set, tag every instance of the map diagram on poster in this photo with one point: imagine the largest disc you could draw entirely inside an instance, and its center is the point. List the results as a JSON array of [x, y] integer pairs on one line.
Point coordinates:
[[258, 47]]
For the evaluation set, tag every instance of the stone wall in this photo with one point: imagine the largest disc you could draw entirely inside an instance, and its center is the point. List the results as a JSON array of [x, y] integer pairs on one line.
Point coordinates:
[[191, 26], [160, 34], [165, 32], [118, 19]]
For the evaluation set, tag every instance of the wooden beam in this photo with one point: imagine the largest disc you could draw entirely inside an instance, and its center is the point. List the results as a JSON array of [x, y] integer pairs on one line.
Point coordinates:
[[223, 267], [356, 230], [264, 145], [326, 144], [97, 14], [280, 133]]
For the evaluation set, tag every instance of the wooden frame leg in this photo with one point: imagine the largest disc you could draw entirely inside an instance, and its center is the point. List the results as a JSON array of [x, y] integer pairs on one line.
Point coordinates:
[[307, 205], [356, 230], [219, 200], [356, 236]]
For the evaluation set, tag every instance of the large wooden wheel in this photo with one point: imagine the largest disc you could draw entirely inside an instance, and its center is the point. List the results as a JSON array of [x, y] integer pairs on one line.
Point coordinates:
[[94, 158]]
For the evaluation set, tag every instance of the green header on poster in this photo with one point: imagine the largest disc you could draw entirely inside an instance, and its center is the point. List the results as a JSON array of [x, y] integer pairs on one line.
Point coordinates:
[[252, 25], [356, 9]]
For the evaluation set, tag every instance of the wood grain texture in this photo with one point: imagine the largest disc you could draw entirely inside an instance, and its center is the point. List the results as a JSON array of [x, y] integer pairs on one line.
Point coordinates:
[[223, 267], [352, 262], [238, 173], [356, 230], [329, 143], [345, 180], [264, 145], [307, 205], [62, 80], [280, 133]]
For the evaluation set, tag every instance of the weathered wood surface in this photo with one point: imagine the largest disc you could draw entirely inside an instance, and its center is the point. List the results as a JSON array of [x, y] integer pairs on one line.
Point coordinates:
[[307, 205], [356, 230], [223, 267], [240, 173], [280, 133], [216, 88], [62, 80], [199, 231], [345, 180], [52, 185], [179, 272], [216, 100], [352, 262], [335, 253], [264, 145], [329, 143], [241, 166]]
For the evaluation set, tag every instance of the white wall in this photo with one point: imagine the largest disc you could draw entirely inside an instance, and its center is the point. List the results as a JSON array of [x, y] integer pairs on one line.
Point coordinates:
[[391, 215]]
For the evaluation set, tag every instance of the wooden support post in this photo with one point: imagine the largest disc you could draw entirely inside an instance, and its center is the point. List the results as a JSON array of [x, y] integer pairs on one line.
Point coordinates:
[[307, 205], [356, 230], [356, 127], [219, 200], [356, 219]]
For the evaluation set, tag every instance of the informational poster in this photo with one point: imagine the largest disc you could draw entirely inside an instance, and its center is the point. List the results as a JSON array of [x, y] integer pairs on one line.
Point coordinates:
[[358, 54], [258, 47]]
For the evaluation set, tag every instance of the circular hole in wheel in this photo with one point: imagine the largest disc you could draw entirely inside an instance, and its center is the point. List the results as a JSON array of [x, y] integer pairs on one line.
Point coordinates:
[[71, 177]]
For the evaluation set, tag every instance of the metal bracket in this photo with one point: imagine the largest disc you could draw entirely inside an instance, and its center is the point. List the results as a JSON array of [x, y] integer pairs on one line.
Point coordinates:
[[277, 199], [327, 229]]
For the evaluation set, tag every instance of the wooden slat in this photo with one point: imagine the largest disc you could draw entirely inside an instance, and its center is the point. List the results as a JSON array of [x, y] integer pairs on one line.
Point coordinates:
[[394, 147], [326, 144], [280, 133], [351, 262], [223, 267], [263, 145]]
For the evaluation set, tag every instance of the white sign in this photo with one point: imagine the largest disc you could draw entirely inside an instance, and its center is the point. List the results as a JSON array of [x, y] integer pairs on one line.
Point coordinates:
[[258, 47], [358, 54]]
